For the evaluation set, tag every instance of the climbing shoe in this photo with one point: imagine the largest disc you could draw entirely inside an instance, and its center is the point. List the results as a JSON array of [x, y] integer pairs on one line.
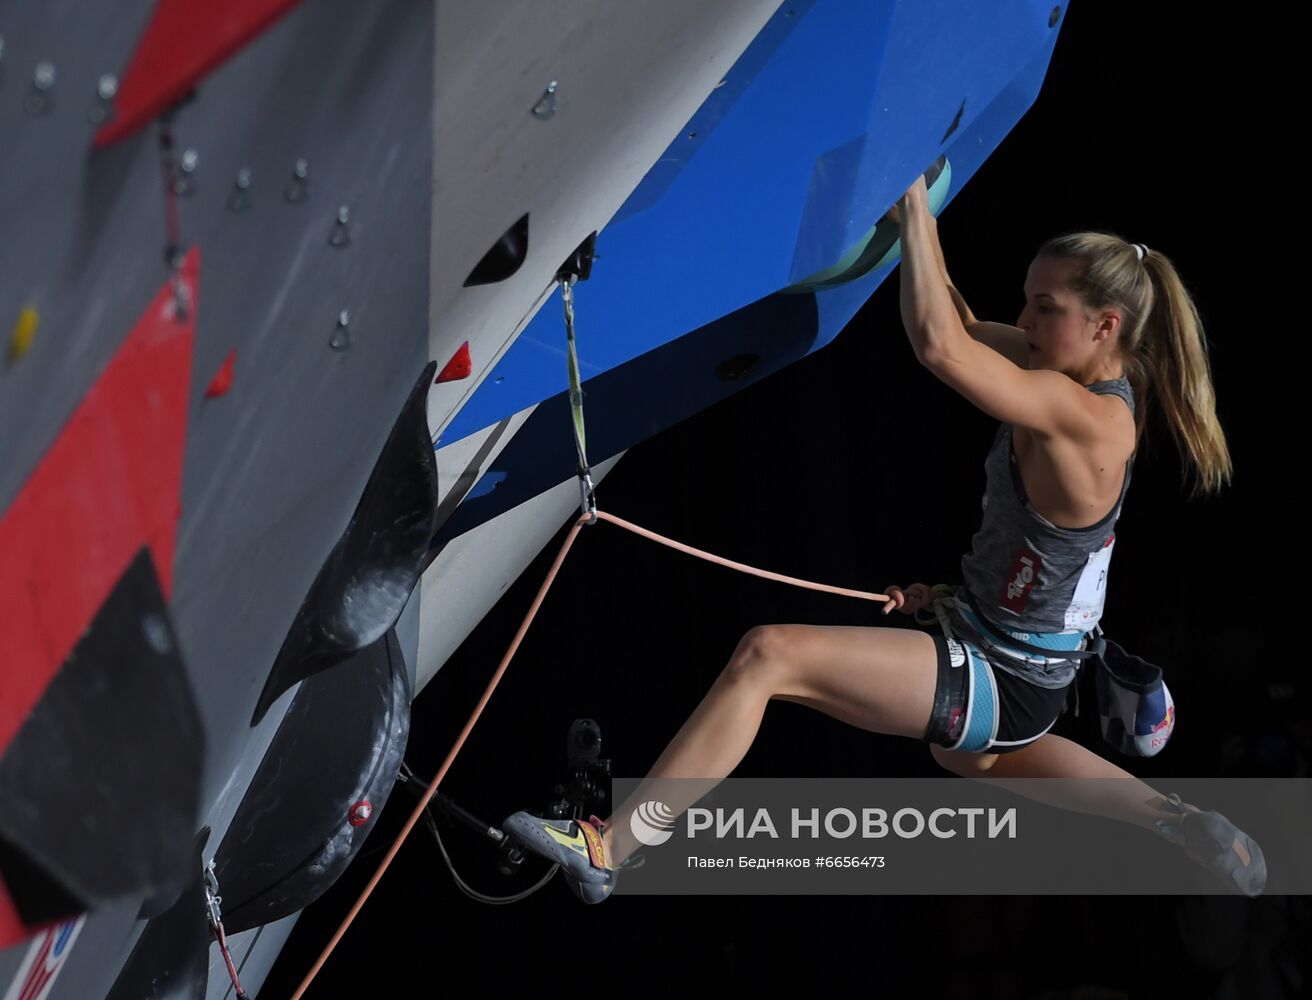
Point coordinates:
[[1218, 845], [575, 845]]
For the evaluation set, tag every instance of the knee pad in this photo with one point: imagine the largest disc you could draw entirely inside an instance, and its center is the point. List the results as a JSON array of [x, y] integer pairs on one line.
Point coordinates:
[[1135, 708]]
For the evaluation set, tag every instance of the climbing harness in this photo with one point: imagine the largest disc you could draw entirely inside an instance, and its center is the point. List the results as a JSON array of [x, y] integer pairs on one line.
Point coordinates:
[[1136, 713], [991, 638]]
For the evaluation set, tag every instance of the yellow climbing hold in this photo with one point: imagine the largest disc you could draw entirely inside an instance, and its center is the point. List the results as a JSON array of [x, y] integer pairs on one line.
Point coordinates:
[[24, 333]]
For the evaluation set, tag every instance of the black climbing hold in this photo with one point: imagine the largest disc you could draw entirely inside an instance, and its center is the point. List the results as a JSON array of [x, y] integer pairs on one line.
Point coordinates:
[[732, 369], [951, 128], [107, 767], [505, 258], [366, 581], [341, 741]]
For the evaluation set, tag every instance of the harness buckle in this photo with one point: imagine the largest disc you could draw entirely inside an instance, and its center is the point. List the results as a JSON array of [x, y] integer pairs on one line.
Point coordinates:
[[1095, 642]]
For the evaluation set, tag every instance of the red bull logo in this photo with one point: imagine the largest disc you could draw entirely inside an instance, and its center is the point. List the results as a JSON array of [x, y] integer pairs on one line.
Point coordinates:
[[1166, 723]]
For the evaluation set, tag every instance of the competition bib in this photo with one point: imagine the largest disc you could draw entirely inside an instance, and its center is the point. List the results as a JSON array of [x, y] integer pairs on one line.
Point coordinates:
[[1091, 590]]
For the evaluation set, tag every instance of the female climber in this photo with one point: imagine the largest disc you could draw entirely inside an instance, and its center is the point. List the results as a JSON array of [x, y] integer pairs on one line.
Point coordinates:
[[1107, 326]]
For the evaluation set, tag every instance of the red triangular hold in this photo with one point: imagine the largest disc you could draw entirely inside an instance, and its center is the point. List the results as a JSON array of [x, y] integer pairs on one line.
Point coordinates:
[[184, 40], [222, 380], [458, 367]]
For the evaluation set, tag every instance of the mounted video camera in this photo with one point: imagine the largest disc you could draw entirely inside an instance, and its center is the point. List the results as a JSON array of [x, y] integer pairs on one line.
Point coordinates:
[[584, 790]]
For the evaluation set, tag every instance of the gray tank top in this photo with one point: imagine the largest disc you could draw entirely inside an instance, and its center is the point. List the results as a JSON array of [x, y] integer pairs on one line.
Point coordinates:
[[1027, 574]]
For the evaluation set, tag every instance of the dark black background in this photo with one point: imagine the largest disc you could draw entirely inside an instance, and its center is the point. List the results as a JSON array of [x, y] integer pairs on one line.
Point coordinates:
[[1160, 122]]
